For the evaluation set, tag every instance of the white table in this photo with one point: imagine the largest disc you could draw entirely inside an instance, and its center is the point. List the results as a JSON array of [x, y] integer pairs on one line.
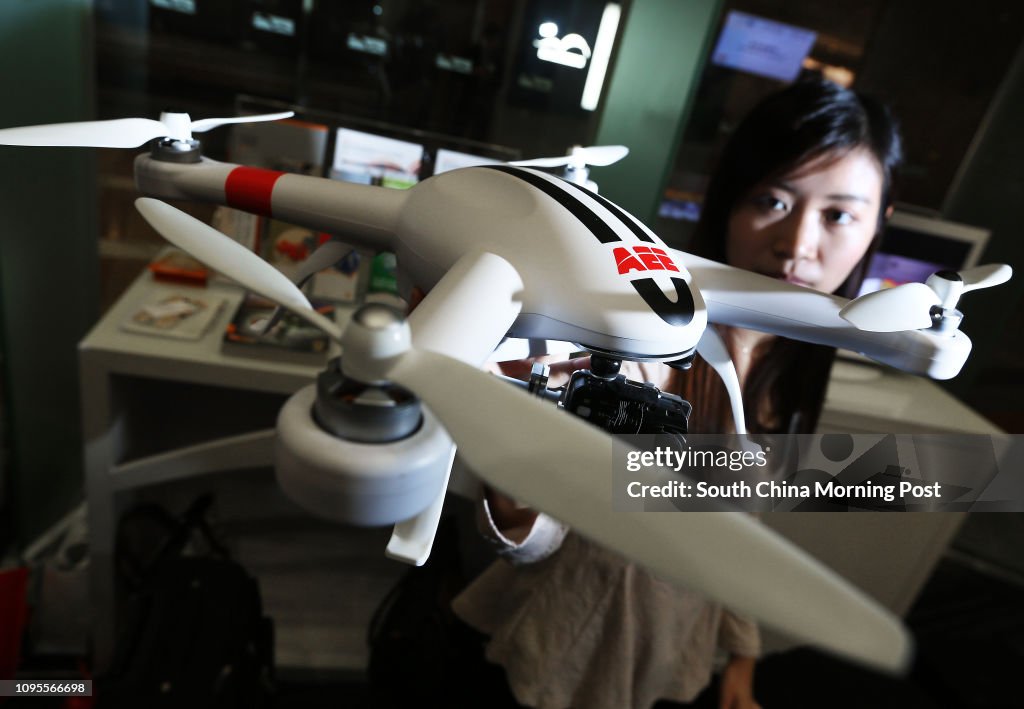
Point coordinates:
[[890, 556], [156, 409], [868, 398]]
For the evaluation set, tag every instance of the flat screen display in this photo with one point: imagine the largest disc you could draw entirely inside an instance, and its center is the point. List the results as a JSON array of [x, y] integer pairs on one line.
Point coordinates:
[[371, 159], [763, 47], [453, 159]]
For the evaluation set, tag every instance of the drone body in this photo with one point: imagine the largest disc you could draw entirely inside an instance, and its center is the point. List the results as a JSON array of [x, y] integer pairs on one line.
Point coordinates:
[[513, 251]]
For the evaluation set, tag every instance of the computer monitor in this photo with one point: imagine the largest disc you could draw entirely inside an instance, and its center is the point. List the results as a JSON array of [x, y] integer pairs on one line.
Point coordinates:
[[764, 47], [914, 247], [374, 159], [453, 159]]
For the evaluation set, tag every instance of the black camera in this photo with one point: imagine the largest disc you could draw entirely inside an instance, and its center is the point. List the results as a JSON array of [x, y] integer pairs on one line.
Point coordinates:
[[607, 399]]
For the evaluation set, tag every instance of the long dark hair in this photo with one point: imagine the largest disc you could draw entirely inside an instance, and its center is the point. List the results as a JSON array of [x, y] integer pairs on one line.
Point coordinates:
[[808, 120]]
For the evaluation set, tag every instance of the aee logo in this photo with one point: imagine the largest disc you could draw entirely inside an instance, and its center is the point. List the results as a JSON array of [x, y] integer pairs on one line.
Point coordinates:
[[643, 258]]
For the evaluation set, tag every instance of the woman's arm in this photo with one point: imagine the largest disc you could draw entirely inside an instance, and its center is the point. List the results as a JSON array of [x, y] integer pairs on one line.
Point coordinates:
[[737, 689], [519, 534], [741, 638]]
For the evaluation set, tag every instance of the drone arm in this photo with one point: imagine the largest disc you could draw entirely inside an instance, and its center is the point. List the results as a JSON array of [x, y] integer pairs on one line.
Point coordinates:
[[470, 309], [713, 350], [362, 215], [743, 299]]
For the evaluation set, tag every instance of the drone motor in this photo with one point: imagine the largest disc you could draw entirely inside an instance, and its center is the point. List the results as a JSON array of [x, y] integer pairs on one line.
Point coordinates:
[[358, 482], [366, 413], [362, 451], [176, 150]]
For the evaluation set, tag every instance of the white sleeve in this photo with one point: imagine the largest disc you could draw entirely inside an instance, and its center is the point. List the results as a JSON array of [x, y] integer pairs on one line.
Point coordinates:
[[523, 545]]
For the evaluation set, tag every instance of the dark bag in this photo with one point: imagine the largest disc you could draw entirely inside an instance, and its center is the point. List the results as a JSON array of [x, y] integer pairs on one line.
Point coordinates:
[[194, 633], [417, 646], [421, 654]]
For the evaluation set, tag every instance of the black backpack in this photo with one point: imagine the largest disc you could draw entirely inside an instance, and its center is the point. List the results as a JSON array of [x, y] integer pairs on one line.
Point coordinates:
[[194, 634]]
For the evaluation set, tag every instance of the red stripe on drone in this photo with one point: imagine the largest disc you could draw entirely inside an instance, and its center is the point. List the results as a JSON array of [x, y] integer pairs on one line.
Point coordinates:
[[249, 189]]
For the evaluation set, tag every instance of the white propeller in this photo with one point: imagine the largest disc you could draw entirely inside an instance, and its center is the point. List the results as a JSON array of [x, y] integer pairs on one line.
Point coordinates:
[[122, 132], [909, 306], [230, 258], [993, 274], [580, 157], [559, 464], [553, 462], [325, 255], [205, 124]]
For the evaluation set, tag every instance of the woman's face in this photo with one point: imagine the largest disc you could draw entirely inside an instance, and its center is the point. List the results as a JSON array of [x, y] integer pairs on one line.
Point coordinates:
[[812, 225]]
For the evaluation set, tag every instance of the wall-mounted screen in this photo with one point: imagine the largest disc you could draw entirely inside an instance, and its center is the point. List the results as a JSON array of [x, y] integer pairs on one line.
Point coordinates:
[[763, 47]]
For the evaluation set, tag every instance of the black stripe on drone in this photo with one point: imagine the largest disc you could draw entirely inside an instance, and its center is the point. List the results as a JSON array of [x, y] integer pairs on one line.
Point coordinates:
[[590, 219], [617, 211], [678, 313]]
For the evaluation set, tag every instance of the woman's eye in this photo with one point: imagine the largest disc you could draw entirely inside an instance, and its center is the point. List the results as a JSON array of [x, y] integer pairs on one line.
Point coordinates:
[[838, 216], [770, 203]]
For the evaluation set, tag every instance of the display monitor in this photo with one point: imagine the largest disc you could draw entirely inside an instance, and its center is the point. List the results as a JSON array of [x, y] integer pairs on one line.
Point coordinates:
[[914, 247], [290, 145], [372, 159], [763, 47], [453, 159]]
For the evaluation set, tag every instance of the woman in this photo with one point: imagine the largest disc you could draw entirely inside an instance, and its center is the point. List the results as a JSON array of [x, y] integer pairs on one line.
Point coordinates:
[[801, 194]]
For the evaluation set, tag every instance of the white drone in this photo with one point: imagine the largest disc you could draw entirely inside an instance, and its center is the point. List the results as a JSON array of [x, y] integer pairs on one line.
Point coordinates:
[[514, 252]]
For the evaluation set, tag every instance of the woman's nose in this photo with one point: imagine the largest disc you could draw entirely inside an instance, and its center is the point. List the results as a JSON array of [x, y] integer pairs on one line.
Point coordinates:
[[797, 238]]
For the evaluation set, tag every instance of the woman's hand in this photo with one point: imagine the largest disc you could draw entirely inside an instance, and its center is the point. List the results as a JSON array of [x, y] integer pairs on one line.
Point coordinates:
[[737, 690], [509, 515], [561, 369]]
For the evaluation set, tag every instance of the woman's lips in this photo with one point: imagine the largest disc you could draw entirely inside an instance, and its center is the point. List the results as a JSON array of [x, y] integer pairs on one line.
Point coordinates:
[[796, 281], [790, 279]]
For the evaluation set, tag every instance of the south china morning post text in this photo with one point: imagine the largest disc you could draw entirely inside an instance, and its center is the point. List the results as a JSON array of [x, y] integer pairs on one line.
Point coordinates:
[[834, 472]]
